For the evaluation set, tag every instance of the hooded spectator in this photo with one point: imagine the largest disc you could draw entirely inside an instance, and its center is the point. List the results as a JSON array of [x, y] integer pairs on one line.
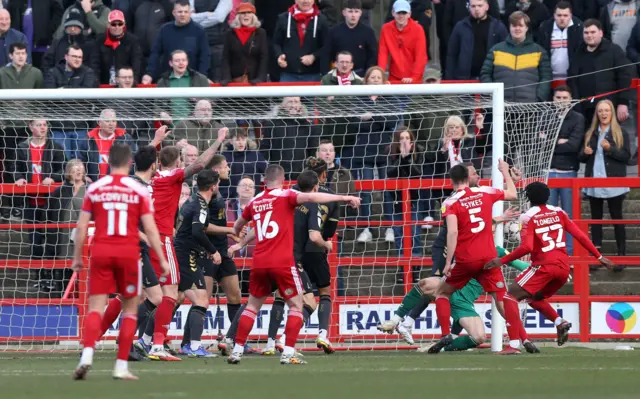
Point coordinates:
[[72, 36], [92, 14]]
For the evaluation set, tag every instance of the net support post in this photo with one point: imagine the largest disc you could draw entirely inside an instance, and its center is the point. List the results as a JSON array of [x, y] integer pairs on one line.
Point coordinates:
[[497, 99]]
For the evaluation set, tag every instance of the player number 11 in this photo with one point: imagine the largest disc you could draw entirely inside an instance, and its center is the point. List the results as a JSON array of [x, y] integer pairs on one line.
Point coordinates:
[[116, 210]]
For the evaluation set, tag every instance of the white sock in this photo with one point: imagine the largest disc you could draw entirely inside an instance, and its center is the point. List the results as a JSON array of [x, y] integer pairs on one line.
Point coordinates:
[[396, 319], [514, 343], [408, 322], [271, 343], [195, 345], [87, 356], [558, 321], [122, 365], [282, 338], [322, 334], [157, 347], [238, 348], [147, 339], [288, 351]]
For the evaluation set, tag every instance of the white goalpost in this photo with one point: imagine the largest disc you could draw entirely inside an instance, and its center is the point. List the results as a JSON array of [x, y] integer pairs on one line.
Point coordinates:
[[391, 238]]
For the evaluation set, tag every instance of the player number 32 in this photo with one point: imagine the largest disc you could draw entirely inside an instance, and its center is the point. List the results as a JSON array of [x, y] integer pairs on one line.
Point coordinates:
[[551, 243], [266, 228]]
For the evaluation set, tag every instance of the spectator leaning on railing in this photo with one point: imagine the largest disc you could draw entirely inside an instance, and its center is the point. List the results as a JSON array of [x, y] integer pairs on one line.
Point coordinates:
[[181, 34], [117, 48], [8, 36], [91, 13], [403, 46], [245, 57], [561, 36], [606, 153], [471, 40], [564, 163], [355, 37], [299, 39], [19, 74]]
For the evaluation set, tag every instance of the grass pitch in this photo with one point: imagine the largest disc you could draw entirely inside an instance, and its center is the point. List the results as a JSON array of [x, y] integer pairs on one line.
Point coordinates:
[[556, 373]]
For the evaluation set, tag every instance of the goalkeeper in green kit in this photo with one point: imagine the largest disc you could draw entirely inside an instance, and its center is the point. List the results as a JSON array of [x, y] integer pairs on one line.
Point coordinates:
[[462, 301]]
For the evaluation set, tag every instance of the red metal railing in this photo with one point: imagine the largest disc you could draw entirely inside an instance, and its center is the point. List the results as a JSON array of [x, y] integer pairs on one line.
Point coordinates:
[[580, 260]]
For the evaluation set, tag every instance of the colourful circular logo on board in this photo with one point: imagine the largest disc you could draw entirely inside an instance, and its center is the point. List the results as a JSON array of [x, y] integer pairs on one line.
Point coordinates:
[[621, 317]]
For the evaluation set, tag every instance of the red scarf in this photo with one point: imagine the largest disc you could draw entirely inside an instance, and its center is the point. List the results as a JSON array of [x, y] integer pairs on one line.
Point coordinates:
[[244, 33], [113, 42], [303, 19], [343, 80]]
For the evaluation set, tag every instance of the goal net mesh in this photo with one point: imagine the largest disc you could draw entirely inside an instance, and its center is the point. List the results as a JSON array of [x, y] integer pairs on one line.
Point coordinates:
[[380, 249]]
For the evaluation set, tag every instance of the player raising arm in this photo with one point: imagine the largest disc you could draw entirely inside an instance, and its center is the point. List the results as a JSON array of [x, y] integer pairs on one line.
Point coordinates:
[[117, 204], [468, 215], [543, 236], [273, 261]]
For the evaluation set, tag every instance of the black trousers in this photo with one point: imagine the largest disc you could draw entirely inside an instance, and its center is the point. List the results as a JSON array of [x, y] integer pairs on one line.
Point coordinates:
[[615, 210]]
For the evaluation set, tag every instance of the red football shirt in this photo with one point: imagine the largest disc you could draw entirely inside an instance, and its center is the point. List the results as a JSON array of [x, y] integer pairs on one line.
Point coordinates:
[[104, 146], [544, 235], [167, 186], [273, 213], [37, 152], [116, 204], [473, 208]]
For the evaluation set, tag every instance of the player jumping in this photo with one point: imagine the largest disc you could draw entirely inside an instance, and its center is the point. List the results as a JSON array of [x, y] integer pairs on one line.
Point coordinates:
[[117, 204], [273, 262], [167, 187], [543, 235], [470, 240]]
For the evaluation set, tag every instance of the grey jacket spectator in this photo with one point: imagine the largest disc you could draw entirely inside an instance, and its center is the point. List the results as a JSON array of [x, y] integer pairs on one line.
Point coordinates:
[[618, 19], [72, 36], [288, 42], [46, 16], [116, 53], [52, 161], [198, 133], [94, 21], [565, 155], [148, 17], [190, 37], [465, 46], [530, 84]]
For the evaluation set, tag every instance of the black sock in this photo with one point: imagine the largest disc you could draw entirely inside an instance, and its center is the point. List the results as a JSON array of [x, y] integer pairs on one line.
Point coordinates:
[[232, 309], [456, 328], [151, 324], [324, 312], [145, 309], [419, 308], [275, 317], [186, 336], [196, 321], [233, 328], [307, 311]]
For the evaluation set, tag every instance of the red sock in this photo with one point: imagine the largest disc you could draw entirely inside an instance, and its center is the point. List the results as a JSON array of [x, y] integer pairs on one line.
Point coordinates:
[[443, 312], [512, 316], [164, 313], [295, 320], [523, 333], [245, 324], [545, 309], [128, 325], [111, 313], [91, 330]]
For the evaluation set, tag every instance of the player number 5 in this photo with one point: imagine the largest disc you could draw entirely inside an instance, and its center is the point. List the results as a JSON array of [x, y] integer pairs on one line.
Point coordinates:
[[551, 243], [111, 208], [266, 228], [476, 220]]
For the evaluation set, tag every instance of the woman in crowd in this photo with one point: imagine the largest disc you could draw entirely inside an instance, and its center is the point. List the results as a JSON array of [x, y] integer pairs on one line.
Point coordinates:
[[606, 152]]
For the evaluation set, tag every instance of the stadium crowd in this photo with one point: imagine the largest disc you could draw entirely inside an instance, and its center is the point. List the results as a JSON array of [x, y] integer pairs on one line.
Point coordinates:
[[541, 50]]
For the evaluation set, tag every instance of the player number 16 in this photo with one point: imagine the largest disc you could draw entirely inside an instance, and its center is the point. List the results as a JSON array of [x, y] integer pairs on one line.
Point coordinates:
[[266, 228]]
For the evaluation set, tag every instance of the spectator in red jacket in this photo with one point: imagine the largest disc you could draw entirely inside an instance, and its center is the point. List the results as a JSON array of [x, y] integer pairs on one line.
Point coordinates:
[[403, 46]]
